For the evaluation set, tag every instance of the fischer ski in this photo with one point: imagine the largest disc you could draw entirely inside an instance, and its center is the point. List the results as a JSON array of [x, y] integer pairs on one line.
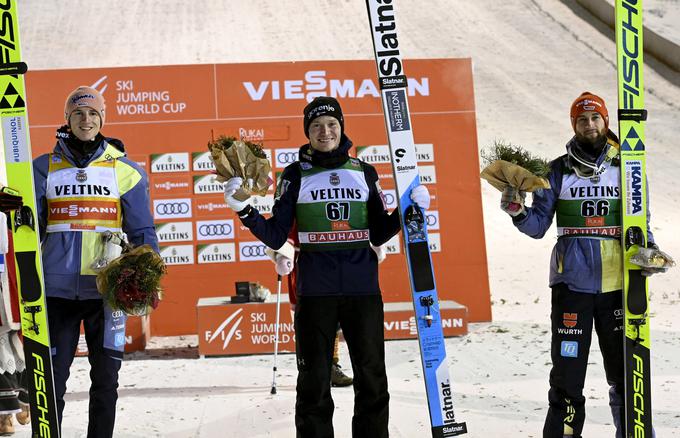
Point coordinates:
[[393, 83], [24, 227], [632, 116]]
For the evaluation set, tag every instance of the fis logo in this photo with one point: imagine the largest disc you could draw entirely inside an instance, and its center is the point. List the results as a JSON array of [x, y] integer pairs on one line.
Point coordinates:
[[227, 330]]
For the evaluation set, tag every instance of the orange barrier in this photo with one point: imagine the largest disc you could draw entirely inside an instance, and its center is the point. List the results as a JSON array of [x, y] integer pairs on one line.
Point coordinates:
[[167, 114]]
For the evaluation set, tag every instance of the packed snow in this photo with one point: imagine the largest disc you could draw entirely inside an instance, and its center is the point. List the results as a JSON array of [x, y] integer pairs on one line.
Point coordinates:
[[531, 59]]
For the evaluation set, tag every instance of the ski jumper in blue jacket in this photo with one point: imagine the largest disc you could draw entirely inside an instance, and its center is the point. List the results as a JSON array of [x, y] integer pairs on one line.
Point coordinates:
[[84, 187], [585, 265]]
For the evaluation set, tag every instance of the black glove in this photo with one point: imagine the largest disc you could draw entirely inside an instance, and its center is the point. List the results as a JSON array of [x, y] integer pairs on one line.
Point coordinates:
[[10, 200]]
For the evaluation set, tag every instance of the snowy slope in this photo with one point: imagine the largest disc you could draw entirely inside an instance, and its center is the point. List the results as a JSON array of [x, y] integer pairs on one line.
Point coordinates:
[[531, 59]]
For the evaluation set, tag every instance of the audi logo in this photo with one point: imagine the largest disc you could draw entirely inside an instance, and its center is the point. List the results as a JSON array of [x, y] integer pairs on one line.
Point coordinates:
[[214, 230], [253, 250], [172, 208], [286, 157], [389, 198]]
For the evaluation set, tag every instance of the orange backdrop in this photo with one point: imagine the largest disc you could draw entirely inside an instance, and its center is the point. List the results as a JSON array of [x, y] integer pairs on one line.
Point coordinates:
[[166, 115]]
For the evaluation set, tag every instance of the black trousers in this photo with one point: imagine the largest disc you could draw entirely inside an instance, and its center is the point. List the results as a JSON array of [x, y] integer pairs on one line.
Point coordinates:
[[64, 321], [361, 319], [572, 318]]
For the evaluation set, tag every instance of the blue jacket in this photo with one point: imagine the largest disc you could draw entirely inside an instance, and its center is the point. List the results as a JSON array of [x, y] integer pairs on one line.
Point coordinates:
[[65, 275], [584, 264]]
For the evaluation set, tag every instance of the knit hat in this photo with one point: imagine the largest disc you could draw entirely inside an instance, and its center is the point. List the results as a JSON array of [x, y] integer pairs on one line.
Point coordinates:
[[85, 97], [323, 106], [588, 101]]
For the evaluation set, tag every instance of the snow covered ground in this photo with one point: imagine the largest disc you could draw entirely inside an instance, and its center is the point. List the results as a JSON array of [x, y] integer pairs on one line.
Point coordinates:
[[531, 59]]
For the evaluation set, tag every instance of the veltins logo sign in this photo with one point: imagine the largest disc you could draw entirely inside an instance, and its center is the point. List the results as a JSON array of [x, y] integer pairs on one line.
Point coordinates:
[[178, 254], [174, 232], [175, 162], [216, 253]]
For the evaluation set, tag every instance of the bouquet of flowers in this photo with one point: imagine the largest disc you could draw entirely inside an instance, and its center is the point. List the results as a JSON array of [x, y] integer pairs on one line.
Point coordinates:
[[241, 158], [511, 165], [132, 282]]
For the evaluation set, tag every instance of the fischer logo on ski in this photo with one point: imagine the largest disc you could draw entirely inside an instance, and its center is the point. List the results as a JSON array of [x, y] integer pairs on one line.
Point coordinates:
[[393, 90], [17, 151], [632, 115]]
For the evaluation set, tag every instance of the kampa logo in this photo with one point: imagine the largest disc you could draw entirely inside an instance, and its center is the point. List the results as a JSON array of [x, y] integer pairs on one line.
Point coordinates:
[[227, 330], [315, 84], [634, 188]]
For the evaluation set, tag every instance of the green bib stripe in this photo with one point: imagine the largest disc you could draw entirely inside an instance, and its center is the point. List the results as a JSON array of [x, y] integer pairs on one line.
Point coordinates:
[[331, 211], [590, 209]]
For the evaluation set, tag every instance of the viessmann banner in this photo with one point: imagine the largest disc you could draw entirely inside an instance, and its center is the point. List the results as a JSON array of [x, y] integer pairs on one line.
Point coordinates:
[[166, 115]]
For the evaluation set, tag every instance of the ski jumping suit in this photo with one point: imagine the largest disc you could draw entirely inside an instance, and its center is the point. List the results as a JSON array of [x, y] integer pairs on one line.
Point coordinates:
[[337, 204], [586, 282], [77, 199]]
